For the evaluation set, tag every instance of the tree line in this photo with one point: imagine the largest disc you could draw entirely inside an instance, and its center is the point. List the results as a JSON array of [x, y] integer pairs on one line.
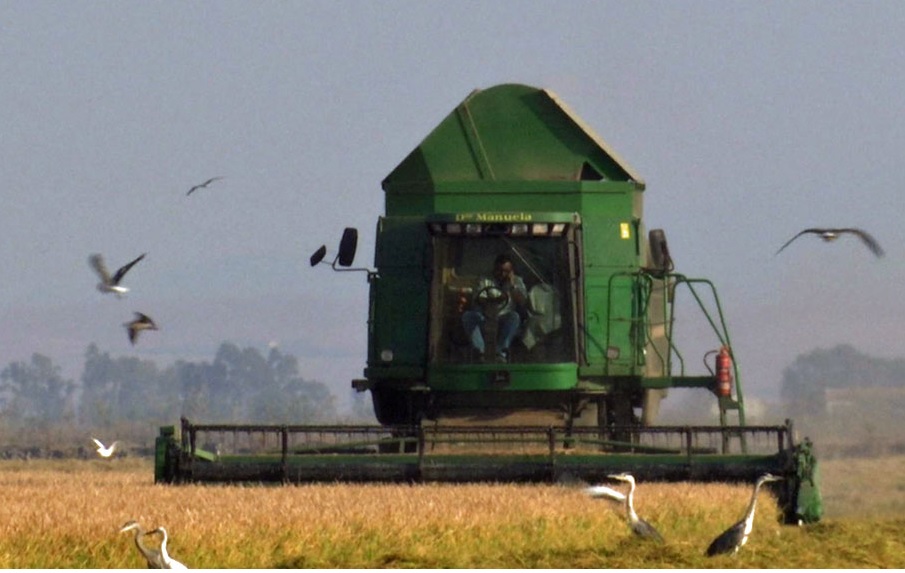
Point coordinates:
[[239, 385], [805, 381]]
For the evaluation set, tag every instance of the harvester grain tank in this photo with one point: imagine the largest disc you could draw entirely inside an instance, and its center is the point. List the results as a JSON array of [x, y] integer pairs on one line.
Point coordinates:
[[513, 171]]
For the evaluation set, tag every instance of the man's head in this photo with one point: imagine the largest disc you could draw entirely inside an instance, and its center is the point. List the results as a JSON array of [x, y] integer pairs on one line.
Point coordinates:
[[502, 267]]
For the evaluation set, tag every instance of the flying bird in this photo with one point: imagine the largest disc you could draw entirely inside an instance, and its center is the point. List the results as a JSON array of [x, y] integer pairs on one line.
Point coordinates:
[[152, 556], [168, 562], [202, 185], [639, 527], [602, 491], [102, 450], [139, 323], [833, 234], [731, 540], [111, 283]]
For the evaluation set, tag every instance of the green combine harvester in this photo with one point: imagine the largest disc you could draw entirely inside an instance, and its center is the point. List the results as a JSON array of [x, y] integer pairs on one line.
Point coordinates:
[[559, 376]]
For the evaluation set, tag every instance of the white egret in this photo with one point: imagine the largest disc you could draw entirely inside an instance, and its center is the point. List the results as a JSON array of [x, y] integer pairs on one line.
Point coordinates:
[[603, 491], [731, 540], [152, 556], [103, 451], [168, 562], [640, 527]]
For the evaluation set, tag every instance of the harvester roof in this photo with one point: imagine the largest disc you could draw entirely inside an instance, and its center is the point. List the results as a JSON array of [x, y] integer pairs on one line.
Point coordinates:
[[506, 133]]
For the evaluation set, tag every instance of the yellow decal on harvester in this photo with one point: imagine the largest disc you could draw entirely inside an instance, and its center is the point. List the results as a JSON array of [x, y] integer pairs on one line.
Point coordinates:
[[625, 231]]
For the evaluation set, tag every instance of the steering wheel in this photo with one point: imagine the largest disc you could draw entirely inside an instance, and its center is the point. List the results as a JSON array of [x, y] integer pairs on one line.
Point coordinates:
[[493, 297]]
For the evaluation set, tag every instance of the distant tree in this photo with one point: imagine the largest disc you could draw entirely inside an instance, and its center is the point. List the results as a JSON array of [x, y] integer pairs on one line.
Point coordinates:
[[806, 380], [36, 391], [123, 388], [241, 385]]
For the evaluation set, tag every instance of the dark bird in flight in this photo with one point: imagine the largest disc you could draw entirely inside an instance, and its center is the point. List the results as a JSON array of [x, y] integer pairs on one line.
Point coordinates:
[[139, 323], [108, 283], [833, 234], [205, 184]]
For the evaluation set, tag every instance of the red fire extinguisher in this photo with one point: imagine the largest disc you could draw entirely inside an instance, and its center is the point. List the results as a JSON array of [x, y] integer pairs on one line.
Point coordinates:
[[724, 373]]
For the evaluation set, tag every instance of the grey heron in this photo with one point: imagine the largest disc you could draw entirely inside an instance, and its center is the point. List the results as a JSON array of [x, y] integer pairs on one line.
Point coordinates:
[[202, 185], [731, 540], [833, 234], [111, 283], [139, 323], [104, 451], [152, 556], [639, 527], [168, 562]]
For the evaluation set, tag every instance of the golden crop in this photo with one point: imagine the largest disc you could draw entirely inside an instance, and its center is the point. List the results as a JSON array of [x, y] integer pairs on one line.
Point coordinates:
[[67, 515]]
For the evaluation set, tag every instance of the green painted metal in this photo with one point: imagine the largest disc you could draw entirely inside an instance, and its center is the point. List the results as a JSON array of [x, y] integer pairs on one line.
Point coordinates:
[[164, 445], [507, 133], [521, 377], [508, 153]]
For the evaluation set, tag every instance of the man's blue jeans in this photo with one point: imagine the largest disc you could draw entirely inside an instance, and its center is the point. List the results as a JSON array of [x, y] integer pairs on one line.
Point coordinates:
[[507, 326]]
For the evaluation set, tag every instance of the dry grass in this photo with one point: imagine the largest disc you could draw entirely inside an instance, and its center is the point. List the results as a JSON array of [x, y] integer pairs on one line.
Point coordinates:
[[66, 515], [864, 487]]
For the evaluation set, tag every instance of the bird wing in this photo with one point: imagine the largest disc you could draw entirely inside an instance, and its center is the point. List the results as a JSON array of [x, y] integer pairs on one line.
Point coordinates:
[[728, 540], [605, 492], [871, 243], [144, 320], [646, 530], [99, 444], [125, 268], [200, 185], [133, 333], [800, 233], [97, 262]]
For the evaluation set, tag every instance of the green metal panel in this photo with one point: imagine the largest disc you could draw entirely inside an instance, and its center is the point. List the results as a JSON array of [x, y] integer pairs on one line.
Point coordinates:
[[522, 377], [509, 132], [400, 294]]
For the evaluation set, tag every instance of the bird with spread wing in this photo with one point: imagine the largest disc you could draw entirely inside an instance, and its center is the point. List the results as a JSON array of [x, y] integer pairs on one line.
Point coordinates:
[[111, 283], [829, 235]]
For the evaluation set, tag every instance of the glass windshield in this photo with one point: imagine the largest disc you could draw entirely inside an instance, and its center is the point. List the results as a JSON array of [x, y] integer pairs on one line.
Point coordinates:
[[501, 299]]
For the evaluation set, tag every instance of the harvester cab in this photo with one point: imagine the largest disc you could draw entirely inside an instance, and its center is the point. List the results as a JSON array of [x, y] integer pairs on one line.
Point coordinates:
[[517, 301]]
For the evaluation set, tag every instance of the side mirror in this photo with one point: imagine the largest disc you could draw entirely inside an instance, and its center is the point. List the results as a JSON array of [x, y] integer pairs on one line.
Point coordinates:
[[347, 246], [318, 255], [659, 251]]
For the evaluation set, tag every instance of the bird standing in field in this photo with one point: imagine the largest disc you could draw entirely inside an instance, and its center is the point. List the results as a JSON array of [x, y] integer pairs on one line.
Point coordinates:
[[103, 451], [202, 185], [168, 562], [639, 527], [139, 323], [829, 235], [731, 540], [152, 556], [111, 283]]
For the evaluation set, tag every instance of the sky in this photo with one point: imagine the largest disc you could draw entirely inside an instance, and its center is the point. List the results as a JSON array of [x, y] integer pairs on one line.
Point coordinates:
[[748, 121]]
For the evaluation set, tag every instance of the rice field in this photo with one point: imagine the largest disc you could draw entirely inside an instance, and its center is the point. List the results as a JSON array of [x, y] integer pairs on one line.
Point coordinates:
[[67, 515]]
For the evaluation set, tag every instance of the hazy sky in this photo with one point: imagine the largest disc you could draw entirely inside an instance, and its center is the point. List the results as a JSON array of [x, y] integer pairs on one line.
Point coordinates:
[[748, 121]]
